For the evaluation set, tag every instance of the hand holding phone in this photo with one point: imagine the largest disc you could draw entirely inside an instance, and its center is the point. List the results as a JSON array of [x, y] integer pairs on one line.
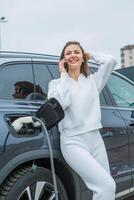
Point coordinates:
[[63, 65]]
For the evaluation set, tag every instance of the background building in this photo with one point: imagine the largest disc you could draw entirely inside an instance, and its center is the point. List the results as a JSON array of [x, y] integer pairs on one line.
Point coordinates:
[[127, 56]]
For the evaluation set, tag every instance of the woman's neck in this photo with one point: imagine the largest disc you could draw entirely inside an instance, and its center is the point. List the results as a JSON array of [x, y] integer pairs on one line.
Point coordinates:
[[74, 74]]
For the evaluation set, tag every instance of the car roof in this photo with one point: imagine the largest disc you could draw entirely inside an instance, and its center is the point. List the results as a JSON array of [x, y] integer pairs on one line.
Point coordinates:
[[13, 54]]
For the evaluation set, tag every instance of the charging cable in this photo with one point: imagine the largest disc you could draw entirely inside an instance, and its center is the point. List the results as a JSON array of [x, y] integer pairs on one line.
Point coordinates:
[[17, 125]]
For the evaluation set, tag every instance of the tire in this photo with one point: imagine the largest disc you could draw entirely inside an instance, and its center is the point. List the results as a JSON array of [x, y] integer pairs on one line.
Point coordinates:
[[23, 185]]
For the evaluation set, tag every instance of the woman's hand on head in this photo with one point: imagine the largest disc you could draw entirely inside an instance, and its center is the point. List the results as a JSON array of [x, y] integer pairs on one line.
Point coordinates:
[[61, 65], [88, 56]]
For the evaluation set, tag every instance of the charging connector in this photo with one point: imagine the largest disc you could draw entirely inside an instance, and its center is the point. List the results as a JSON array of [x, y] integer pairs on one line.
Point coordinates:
[[17, 125]]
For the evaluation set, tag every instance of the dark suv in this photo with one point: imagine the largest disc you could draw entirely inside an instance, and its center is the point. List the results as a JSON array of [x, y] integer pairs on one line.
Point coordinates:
[[25, 172]]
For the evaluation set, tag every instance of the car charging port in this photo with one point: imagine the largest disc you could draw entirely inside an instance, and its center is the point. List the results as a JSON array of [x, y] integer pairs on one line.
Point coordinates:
[[27, 129]]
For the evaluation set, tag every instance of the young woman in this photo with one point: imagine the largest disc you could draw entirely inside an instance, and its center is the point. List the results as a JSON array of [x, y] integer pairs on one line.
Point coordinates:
[[78, 93]]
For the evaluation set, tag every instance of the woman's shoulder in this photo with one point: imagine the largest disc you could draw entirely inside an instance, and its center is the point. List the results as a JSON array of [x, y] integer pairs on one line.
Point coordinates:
[[55, 81], [89, 76], [63, 75]]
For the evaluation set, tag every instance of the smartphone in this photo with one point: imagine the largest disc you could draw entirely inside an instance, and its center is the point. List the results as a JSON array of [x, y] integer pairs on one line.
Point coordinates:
[[65, 65]]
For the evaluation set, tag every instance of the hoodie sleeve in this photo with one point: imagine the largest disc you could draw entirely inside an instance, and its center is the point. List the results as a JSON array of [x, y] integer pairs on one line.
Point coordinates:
[[107, 64], [59, 89]]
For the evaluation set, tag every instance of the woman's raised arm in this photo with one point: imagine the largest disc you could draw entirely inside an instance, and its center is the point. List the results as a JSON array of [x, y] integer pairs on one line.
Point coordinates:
[[107, 64]]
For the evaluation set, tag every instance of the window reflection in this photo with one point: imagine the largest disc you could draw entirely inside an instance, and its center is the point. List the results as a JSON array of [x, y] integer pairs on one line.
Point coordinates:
[[16, 81], [27, 90]]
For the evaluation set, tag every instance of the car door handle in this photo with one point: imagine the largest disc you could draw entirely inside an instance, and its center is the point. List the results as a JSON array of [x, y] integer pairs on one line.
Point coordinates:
[[131, 123]]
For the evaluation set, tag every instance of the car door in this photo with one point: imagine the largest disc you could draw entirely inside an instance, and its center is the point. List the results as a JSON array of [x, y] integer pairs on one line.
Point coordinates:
[[16, 84], [115, 136], [122, 91]]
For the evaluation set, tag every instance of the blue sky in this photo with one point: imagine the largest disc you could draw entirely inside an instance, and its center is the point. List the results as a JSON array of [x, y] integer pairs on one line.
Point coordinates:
[[44, 26]]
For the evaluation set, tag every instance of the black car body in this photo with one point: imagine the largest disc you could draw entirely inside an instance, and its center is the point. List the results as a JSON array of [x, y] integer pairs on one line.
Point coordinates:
[[24, 79]]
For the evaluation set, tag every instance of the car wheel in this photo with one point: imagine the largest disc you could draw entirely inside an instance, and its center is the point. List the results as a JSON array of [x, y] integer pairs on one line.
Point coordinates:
[[31, 184]]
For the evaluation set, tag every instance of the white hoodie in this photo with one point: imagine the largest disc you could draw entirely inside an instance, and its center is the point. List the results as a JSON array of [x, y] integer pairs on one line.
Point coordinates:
[[80, 99]]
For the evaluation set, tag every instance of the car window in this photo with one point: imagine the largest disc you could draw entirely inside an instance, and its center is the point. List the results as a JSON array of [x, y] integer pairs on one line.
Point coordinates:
[[121, 90], [16, 81], [42, 78], [54, 70], [102, 99]]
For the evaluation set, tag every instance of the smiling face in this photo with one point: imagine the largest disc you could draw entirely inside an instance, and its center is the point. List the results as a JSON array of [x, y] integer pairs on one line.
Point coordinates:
[[73, 56]]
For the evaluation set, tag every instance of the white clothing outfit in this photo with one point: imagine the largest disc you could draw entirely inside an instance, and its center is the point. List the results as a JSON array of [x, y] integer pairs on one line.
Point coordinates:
[[80, 99], [81, 143], [86, 155]]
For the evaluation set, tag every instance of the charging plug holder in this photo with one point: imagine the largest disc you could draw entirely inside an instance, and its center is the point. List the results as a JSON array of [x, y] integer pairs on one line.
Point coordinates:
[[50, 113]]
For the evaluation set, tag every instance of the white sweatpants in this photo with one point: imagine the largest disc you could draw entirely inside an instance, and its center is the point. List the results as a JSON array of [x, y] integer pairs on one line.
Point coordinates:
[[86, 154]]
